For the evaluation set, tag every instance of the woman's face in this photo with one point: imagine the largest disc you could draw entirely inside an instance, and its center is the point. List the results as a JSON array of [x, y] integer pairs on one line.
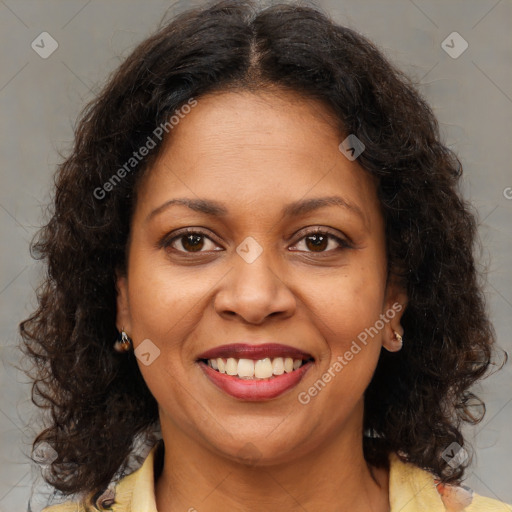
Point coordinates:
[[253, 169]]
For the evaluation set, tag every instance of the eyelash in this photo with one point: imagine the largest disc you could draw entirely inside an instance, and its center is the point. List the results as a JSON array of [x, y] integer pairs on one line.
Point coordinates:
[[344, 244]]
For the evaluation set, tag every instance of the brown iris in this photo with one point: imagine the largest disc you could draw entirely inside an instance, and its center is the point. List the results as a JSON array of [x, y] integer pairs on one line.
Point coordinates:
[[320, 242], [192, 243]]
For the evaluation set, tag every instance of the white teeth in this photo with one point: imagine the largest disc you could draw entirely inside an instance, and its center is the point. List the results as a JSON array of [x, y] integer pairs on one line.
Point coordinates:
[[278, 366], [231, 366], [250, 369], [245, 368], [263, 368]]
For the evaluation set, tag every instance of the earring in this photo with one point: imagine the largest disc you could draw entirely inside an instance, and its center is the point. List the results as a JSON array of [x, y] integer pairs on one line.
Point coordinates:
[[123, 342], [397, 342], [398, 339]]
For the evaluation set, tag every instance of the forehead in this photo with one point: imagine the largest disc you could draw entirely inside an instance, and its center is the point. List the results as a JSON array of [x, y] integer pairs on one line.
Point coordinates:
[[242, 120], [257, 147]]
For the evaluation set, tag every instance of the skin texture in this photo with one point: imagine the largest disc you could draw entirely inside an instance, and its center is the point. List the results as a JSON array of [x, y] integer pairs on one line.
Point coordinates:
[[255, 154]]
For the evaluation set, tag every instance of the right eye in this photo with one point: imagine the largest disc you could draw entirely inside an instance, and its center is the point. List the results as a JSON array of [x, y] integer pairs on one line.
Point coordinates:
[[190, 241]]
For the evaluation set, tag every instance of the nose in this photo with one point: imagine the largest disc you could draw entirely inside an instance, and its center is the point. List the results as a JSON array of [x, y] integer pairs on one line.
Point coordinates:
[[254, 292]]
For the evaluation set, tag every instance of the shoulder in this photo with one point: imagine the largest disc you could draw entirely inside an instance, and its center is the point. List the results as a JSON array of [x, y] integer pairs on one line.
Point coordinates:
[[68, 506], [132, 492], [413, 489], [117, 497], [483, 504], [64, 507]]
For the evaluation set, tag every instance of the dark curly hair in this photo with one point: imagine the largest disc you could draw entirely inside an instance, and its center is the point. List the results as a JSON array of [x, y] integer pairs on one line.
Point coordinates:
[[98, 401]]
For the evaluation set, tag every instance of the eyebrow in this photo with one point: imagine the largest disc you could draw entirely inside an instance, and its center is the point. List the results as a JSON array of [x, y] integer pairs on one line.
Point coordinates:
[[301, 207]]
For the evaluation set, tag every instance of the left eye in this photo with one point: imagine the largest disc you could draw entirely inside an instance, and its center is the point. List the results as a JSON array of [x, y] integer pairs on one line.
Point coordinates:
[[321, 241]]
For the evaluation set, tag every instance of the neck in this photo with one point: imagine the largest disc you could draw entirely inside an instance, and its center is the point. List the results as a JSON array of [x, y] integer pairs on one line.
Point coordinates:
[[332, 477]]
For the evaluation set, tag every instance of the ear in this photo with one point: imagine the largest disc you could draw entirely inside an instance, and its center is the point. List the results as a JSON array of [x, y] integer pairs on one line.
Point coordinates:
[[394, 306], [123, 317]]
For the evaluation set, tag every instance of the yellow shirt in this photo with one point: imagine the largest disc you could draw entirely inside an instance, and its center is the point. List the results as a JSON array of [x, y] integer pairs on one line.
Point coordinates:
[[411, 489]]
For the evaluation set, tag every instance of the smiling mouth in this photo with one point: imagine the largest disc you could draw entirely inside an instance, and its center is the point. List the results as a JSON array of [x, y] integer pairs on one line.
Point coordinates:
[[252, 372], [259, 369]]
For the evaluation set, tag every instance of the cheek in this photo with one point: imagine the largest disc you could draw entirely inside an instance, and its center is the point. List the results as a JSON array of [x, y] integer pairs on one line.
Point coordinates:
[[167, 305], [349, 304], [163, 299], [346, 311], [164, 305]]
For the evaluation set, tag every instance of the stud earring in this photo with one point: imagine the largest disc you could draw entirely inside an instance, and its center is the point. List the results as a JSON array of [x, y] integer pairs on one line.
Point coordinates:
[[123, 342]]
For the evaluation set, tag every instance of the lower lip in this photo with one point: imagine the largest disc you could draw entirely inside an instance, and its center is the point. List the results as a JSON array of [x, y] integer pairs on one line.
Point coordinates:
[[255, 389]]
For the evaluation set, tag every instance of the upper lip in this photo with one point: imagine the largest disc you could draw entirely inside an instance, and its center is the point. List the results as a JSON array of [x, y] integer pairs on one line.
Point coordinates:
[[247, 351]]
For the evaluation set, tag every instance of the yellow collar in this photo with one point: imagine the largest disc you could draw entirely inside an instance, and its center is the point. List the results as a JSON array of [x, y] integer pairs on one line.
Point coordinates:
[[411, 489]]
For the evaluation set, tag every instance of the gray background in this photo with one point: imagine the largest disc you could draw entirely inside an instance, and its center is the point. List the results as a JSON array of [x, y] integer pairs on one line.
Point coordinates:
[[40, 99]]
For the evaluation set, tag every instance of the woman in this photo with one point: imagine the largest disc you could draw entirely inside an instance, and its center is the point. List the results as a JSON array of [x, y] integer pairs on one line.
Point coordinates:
[[259, 207]]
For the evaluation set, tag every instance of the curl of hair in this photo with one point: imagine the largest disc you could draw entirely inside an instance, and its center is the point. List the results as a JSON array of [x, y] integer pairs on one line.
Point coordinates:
[[97, 399]]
